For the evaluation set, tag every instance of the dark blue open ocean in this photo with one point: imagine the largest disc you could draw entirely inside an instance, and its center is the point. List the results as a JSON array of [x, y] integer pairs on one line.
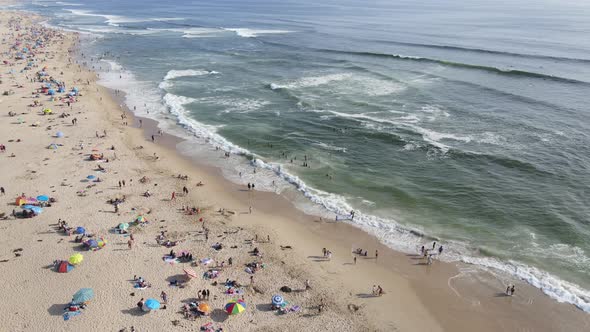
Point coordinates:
[[464, 121]]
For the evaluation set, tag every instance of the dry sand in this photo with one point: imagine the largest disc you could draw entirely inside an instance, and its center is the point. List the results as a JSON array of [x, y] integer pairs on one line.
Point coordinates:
[[418, 297]]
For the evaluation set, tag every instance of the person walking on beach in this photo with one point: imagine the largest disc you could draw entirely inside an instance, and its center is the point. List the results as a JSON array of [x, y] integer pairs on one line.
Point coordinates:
[[130, 244], [250, 209], [512, 290], [153, 138], [433, 245], [119, 184], [440, 250], [249, 186], [164, 297], [207, 292], [376, 254], [2, 192], [307, 286], [508, 290], [354, 259], [173, 196]]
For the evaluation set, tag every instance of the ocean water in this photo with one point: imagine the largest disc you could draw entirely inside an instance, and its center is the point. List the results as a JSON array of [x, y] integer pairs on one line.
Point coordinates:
[[461, 121]]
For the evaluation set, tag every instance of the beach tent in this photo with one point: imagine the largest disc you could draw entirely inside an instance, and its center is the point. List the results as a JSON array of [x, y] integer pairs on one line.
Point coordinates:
[[83, 295], [235, 307], [35, 209], [59, 134], [21, 201], [76, 259], [64, 267], [53, 146]]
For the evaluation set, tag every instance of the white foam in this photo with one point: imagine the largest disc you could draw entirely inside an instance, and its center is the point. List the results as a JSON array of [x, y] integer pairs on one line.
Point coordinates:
[[251, 33], [68, 3], [312, 81], [116, 20], [329, 147], [172, 74]]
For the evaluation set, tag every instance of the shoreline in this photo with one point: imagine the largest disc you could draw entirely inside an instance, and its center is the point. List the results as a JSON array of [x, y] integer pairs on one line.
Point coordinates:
[[417, 297]]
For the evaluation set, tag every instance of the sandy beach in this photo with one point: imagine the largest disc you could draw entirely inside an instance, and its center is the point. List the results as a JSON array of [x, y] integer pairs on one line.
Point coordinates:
[[271, 244]]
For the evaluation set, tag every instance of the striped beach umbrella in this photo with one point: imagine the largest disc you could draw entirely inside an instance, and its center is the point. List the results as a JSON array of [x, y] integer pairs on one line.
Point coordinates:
[[277, 300], [235, 307], [190, 272]]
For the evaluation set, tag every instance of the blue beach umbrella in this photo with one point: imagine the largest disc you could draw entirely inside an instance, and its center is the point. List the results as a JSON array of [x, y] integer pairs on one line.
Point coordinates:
[[83, 295], [277, 300], [51, 92], [91, 177], [59, 134], [42, 198], [152, 304], [92, 243], [81, 230]]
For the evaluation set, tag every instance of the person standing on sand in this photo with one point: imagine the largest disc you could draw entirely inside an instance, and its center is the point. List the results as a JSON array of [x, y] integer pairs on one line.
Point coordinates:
[[153, 138], [173, 196], [376, 254], [354, 259], [250, 209], [130, 244], [2, 192], [307, 286]]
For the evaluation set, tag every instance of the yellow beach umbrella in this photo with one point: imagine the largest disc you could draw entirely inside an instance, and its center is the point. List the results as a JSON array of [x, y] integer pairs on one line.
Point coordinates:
[[76, 259]]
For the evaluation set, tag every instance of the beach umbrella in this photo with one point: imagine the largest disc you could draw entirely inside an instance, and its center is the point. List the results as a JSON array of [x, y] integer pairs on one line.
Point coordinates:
[[190, 272], [123, 226], [204, 307], [235, 307], [47, 111], [141, 219], [91, 177], [20, 201], [59, 134], [206, 261], [53, 146], [51, 92], [80, 230], [92, 243], [83, 295], [76, 259], [64, 267], [102, 242], [42, 198], [277, 300], [152, 304]]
